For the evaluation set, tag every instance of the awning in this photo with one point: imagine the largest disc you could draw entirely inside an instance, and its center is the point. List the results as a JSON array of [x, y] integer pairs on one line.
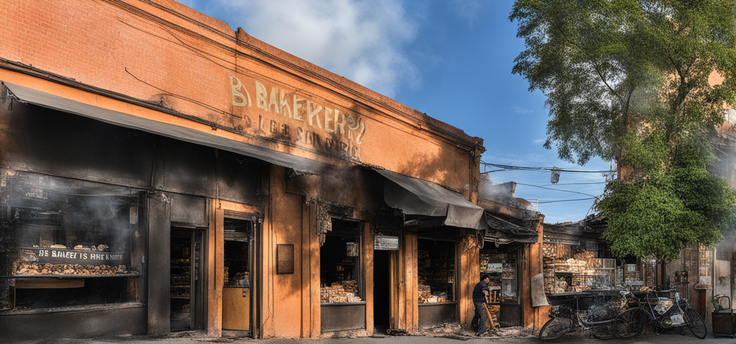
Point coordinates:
[[47, 100], [503, 232], [419, 197]]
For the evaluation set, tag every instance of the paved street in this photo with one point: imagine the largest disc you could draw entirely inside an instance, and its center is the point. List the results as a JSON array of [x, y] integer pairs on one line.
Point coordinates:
[[194, 337]]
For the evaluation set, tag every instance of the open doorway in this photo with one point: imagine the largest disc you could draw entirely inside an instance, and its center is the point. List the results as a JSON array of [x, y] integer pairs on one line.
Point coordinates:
[[186, 292], [381, 291]]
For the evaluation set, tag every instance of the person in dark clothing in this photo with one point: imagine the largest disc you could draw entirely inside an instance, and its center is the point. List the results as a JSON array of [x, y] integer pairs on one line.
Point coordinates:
[[479, 299]]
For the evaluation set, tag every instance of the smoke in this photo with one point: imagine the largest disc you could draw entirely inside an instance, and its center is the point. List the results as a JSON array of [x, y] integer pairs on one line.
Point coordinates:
[[55, 211]]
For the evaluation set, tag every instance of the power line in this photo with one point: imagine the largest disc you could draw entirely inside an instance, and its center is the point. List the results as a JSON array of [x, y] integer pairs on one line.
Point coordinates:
[[527, 168], [567, 200], [581, 183], [553, 189]]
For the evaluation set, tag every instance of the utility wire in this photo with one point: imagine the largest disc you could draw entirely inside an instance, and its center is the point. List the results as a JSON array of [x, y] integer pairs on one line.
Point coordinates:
[[512, 167], [582, 183], [567, 200], [544, 187]]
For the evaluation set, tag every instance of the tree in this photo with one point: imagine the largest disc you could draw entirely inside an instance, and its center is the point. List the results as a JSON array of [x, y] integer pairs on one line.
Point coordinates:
[[642, 83]]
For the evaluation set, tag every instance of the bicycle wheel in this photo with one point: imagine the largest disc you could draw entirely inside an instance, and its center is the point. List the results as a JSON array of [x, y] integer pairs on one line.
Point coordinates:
[[630, 323], [695, 323], [555, 328], [603, 331]]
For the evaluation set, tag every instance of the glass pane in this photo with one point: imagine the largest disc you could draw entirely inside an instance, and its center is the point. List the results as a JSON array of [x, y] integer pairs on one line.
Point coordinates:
[[70, 242]]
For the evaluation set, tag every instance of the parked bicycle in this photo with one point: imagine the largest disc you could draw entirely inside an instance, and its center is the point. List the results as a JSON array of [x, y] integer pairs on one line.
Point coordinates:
[[662, 312], [596, 313]]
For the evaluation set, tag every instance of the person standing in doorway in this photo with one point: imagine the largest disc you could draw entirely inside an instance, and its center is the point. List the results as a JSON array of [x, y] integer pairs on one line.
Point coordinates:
[[479, 300]]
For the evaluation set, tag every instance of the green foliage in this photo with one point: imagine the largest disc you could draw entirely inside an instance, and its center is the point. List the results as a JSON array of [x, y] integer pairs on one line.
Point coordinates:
[[631, 81], [673, 206], [607, 66], [663, 214]]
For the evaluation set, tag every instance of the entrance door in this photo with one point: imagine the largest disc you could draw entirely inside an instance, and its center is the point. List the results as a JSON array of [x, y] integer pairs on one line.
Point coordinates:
[[381, 291], [510, 286], [236, 293], [502, 265], [186, 246]]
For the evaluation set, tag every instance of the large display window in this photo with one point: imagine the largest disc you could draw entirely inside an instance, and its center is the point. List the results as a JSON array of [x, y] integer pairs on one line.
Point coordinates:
[[66, 243], [340, 265], [578, 267], [436, 266]]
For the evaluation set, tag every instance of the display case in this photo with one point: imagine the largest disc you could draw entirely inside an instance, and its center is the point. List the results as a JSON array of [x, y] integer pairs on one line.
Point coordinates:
[[491, 264], [66, 243], [436, 264], [340, 271], [633, 275], [509, 282], [579, 273]]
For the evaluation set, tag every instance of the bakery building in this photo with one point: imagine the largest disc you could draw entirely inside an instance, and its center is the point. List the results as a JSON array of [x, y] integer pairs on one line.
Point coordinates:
[[160, 172]]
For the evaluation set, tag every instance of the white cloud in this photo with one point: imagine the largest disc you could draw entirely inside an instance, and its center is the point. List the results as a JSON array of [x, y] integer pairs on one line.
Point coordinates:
[[468, 10], [361, 40], [521, 111]]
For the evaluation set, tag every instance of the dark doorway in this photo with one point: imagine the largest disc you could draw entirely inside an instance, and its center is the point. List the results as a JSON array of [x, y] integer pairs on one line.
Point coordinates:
[[381, 291], [185, 296]]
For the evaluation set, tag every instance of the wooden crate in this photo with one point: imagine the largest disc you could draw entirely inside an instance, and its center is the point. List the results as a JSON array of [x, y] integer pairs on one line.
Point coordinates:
[[724, 324]]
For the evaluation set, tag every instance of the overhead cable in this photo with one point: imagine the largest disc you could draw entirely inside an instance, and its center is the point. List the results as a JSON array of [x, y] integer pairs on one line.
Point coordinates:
[[526, 168], [567, 200], [547, 188]]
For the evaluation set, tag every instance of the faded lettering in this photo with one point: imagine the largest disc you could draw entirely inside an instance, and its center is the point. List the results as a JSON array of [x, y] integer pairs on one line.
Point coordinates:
[[238, 98], [323, 126]]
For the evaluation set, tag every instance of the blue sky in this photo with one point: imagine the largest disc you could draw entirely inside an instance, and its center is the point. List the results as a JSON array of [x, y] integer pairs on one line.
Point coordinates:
[[451, 59]]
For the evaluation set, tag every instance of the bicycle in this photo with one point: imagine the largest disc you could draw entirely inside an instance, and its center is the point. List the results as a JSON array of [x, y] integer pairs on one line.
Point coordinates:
[[664, 313], [598, 317]]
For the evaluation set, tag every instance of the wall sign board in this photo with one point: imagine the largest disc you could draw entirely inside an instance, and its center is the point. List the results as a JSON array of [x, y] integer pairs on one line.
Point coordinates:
[[386, 243], [285, 259]]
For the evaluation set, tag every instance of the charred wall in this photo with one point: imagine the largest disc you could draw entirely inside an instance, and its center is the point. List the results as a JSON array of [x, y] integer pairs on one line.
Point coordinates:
[[178, 177], [36, 139]]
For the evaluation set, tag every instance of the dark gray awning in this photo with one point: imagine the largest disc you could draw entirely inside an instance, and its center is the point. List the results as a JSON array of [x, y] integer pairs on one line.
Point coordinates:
[[502, 231], [35, 97], [419, 197]]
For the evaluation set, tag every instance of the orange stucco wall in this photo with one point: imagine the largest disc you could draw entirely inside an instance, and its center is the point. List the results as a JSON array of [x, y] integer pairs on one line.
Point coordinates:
[[171, 56], [163, 61]]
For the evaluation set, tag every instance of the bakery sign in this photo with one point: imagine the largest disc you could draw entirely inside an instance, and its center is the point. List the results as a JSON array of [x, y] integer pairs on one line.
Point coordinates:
[[385, 243], [282, 113], [65, 256]]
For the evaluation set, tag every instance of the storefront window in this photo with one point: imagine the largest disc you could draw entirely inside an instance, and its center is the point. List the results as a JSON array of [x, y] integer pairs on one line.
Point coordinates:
[[67, 243], [705, 268], [340, 264], [502, 268], [577, 268], [436, 264], [237, 253]]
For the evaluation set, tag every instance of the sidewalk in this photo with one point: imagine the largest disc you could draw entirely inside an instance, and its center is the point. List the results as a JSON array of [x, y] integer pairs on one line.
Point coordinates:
[[428, 336]]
